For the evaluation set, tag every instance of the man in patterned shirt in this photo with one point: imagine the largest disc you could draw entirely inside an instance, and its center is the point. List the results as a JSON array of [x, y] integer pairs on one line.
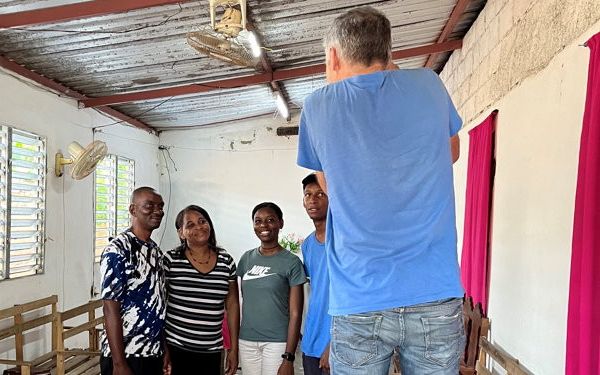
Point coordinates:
[[132, 290]]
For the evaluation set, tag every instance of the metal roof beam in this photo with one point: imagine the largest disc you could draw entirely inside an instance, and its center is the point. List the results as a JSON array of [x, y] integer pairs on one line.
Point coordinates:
[[62, 89], [76, 11], [256, 79], [457, 12]]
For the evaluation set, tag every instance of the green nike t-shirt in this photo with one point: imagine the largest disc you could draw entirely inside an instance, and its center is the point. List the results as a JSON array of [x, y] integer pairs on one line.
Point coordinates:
[[266, 282]]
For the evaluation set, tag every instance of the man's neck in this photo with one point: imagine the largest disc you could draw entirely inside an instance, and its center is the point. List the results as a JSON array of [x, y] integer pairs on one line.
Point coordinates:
[[348, 71], [320, 230], [142, 234]]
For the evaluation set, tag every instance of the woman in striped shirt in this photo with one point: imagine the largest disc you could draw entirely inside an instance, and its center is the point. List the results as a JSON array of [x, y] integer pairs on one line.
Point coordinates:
[[201, 285]]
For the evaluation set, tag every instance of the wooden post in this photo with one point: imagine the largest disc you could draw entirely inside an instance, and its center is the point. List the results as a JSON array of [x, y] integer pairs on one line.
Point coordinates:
[[18, 320], [93, 333], [54, 333], [57, 326]]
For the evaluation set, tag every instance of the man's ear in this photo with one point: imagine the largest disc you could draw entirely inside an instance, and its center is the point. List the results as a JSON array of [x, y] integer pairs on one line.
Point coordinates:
[[334, 59], [281, 226], [132, 209], [180, 233]]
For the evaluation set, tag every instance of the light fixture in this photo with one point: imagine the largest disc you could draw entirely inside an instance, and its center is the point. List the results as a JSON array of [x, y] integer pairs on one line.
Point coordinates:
[[282, 106], [254, 45]]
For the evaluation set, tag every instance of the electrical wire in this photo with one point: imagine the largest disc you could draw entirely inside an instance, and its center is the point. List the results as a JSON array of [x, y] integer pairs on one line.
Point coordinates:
[[170, 157], [135, 116], [146, 26], [168, 205]]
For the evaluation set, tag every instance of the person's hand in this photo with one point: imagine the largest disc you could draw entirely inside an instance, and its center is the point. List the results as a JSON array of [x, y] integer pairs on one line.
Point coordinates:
[[121, 368], [167, 363], [231, 362], [324, 361], [286, 368]]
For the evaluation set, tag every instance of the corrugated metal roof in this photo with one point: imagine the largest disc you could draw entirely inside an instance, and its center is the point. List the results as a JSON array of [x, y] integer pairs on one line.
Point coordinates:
[[146, 49]]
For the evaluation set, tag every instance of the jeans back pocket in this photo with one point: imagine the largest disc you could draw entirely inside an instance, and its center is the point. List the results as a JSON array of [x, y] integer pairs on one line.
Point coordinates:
[[355, 338]]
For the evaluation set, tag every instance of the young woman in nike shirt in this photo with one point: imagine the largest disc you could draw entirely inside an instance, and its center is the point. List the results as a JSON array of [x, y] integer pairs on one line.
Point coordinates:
[[272, 279]]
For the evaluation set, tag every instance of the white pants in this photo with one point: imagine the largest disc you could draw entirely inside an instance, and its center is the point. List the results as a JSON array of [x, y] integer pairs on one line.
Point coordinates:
[[261, 358]]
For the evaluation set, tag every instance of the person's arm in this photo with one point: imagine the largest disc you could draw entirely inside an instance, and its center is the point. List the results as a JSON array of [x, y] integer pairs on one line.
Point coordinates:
[[232, 305], [324, 360], [322, 182], [114, 332], [293, 335], [455, 148]]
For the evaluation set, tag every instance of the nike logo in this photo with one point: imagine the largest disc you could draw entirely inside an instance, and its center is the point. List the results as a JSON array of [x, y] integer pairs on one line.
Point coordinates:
[[257, 272]]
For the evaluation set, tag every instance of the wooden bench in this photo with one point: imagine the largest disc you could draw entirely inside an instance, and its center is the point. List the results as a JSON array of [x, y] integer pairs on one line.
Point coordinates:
[[498, 356], [476, 326], [58, 360]]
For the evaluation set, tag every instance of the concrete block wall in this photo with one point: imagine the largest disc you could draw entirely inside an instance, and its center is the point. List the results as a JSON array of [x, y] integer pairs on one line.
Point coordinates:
[[510, 41]]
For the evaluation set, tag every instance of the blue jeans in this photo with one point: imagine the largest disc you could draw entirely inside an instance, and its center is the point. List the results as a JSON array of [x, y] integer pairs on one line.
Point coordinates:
[[430, 338]]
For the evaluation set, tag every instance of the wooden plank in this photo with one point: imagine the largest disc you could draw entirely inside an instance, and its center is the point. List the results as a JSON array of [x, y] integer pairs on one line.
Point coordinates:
[[457, 12], [84, 352], [91, 364], [33, 305], [11, 331], [77, 363], [18, 321], [60, 344], [79, 310], [43, 358], [82, 328], [255, 79], [501, 357], [13, 362], [62, 13]]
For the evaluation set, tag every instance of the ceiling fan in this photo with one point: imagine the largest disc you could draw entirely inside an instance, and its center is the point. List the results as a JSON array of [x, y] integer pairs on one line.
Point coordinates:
[[221, 40]]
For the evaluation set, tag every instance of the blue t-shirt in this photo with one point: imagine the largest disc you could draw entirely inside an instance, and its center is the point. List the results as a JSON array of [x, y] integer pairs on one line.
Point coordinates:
[[318, 321], [382, 140]]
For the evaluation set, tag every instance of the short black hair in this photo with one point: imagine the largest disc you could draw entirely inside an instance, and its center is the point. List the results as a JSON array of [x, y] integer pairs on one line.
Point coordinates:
[[310, 179], [270, 205], [140, 190]]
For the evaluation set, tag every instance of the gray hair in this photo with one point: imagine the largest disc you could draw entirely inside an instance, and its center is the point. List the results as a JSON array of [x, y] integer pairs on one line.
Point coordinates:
[[361, 36]]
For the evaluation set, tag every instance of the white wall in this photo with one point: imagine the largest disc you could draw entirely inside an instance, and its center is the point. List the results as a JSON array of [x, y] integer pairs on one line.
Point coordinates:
[[538, 131], [228, 170], [69, 203]]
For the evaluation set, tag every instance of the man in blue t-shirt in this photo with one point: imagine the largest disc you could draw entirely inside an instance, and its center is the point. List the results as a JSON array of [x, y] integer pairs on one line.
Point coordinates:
[[315, 341], [379, 140]]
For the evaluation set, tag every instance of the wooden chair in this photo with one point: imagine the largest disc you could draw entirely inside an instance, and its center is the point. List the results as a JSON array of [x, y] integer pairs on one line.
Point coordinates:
[[498, 356], [58, 360], [23, 322], [79, 361], [476, 326]]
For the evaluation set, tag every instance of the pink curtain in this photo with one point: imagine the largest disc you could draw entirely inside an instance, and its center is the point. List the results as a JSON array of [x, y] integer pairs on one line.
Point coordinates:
[[474, 259], [583, 322]]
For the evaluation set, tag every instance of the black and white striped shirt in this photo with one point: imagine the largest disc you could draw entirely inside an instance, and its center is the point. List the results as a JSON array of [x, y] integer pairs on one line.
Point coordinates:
[[196, 301]]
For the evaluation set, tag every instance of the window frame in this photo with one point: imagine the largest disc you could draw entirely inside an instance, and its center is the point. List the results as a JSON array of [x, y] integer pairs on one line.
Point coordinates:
[[7, 173], [114, 218]]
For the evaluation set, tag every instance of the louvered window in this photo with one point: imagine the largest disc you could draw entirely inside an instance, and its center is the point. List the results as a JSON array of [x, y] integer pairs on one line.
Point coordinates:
[[114, 185], [22, 203]]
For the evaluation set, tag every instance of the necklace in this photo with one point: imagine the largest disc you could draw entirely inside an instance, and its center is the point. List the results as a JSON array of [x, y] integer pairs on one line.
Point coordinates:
[[197, 261]]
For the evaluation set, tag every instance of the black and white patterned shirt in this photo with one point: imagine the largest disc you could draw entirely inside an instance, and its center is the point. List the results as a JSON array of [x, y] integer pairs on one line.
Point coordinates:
[[132, 274], [196, 301]]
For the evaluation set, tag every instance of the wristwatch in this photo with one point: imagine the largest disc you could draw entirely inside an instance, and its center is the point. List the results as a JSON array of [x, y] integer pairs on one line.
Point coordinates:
[[288, 356]]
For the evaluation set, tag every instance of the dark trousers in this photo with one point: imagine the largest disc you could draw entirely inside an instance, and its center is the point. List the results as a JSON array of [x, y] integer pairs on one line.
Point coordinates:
[[184, 362], [138, 365], [311, 365]]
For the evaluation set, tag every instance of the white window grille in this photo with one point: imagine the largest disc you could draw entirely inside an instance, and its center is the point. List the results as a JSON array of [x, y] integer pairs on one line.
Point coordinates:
[[115, 181], [22, 203]]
